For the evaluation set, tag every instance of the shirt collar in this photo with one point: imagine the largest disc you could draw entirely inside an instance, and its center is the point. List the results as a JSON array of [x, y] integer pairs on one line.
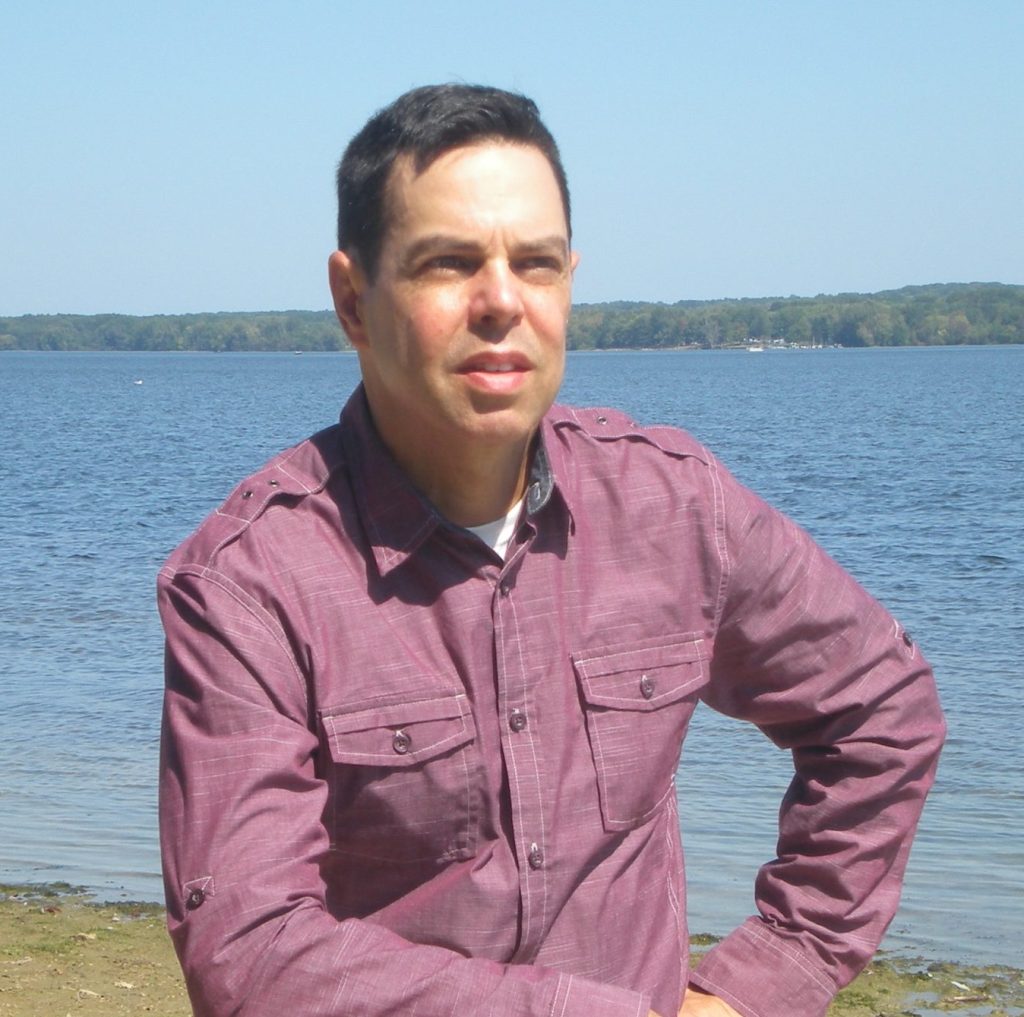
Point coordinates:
[[542, 480], [396, 517]]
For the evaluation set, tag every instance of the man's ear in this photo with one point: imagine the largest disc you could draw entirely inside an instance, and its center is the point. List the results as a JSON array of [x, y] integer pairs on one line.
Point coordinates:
[[348, 284]]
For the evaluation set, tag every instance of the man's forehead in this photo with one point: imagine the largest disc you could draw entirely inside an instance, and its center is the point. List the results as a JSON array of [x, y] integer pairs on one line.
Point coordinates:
[[407, 164], [406, 178]]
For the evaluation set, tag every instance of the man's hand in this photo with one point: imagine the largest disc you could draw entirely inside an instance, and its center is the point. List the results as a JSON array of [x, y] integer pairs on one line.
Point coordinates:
[[703, 1004]]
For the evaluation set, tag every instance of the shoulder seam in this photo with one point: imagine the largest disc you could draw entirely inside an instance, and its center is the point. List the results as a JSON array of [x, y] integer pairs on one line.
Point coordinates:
[[620, 427], [197, 571]]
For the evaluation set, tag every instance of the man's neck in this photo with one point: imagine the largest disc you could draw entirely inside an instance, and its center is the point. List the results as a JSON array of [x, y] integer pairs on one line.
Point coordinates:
[[474, 489], [471, 482]]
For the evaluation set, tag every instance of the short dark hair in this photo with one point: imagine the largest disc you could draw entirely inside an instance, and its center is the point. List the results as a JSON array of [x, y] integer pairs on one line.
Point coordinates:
[[423, 124]]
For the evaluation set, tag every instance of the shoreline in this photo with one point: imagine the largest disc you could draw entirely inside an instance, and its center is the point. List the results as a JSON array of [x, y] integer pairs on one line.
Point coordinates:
[[61, 951]]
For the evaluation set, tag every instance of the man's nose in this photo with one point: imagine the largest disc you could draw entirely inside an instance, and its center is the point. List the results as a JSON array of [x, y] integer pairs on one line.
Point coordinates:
[[497, 301]]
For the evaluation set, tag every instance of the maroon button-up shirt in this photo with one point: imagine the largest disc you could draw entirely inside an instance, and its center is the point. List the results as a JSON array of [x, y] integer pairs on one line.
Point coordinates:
[[401, 775]]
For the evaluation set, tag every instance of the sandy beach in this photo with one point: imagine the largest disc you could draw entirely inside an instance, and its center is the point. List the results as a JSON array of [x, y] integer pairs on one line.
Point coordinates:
[[63, 954]]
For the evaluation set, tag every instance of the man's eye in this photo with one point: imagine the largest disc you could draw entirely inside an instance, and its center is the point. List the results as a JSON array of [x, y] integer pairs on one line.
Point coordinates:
[[542, 264], [448, 263]]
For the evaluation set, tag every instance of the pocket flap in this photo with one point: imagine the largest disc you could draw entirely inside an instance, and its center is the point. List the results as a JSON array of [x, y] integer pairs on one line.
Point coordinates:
[[641, 677], [399, 734]]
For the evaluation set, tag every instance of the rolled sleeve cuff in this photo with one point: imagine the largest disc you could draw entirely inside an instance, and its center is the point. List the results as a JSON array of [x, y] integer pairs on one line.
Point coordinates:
[[581, 997], [761, 974]]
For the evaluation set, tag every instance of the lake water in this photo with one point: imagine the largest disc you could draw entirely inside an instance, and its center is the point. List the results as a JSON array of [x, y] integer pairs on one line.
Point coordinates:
[[907, 465]]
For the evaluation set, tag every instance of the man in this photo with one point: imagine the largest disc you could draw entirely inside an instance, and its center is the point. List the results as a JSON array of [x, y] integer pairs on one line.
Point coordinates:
[[429, 672]]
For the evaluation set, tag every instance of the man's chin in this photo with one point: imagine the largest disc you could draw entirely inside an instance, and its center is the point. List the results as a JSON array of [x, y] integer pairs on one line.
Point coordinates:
[[503, 426]]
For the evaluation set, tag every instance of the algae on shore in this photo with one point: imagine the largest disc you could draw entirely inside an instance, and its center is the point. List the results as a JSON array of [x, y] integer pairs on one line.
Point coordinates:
[[64, 954]]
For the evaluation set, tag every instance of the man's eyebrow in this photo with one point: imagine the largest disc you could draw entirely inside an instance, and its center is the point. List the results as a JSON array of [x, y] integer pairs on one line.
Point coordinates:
[[556, 242], [433, 243], [438, 241], [453, 242]]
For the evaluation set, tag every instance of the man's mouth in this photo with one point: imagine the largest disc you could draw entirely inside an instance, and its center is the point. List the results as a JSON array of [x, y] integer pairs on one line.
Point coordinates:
[[496, 363]]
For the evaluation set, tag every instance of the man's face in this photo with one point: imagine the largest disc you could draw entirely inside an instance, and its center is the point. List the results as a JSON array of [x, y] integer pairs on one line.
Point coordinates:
[[461, 335]]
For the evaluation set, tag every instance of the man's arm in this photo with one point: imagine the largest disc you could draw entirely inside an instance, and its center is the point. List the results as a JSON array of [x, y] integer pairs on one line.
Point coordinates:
[[803, 652], [243, 841]]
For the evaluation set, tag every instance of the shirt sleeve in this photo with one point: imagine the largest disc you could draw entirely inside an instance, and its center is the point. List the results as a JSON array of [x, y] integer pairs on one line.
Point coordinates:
[[243, 840], [807, 655]]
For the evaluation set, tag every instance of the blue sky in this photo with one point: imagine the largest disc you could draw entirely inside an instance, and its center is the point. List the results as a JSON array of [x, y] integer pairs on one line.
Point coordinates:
[[178, 157]]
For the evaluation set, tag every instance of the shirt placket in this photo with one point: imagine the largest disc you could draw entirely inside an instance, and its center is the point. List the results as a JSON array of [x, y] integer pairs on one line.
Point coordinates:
[[521, 745]]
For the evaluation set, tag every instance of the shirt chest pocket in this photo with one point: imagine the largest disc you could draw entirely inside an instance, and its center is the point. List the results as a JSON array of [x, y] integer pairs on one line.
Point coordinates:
[[638, 702], [402, 780]]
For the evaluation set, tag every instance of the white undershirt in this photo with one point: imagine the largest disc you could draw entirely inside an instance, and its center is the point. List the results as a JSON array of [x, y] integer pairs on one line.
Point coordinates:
[[498, 534]]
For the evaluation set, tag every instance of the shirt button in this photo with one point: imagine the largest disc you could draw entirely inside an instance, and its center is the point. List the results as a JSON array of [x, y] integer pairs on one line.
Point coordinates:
[[401, 742], [517, 720], [646, 686], [535, 857], [195, 899]]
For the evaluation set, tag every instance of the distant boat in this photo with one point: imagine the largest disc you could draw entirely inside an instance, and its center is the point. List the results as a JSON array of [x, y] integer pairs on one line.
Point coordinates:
[[138, 381], [755, 349]]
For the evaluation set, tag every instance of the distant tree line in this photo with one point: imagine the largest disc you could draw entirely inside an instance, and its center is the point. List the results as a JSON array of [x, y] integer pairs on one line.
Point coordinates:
[[941, 314], [220, 332]]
